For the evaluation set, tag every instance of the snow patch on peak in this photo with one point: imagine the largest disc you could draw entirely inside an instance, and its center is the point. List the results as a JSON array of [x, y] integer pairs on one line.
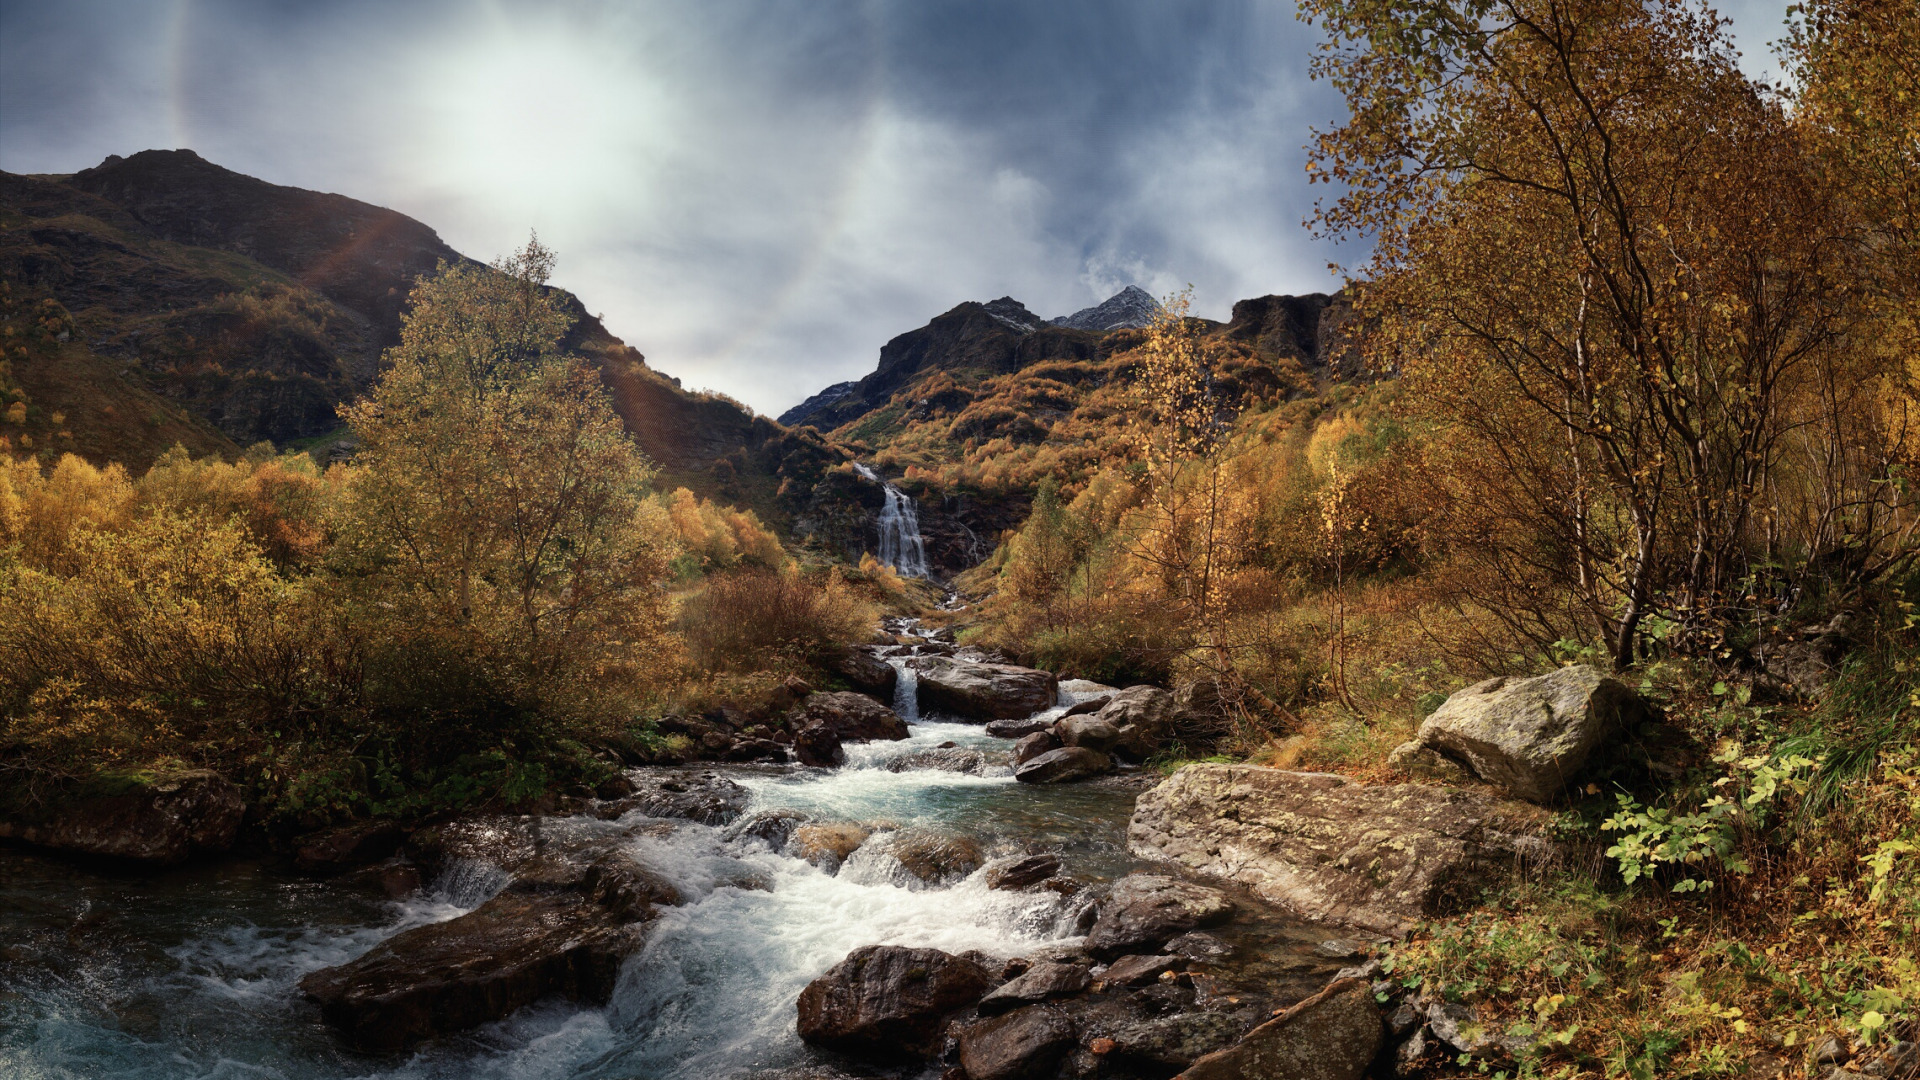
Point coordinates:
[[1013, 314], [1130, 308]]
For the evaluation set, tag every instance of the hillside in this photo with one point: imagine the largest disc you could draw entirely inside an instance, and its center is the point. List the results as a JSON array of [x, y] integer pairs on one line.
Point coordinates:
[[218, 310]]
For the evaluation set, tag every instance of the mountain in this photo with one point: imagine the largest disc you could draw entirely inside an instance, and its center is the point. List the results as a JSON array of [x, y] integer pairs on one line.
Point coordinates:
[[218, 310], [1129, 309]]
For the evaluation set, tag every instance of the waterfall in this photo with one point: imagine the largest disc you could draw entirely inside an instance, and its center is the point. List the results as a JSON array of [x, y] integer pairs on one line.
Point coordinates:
[[900, 543]]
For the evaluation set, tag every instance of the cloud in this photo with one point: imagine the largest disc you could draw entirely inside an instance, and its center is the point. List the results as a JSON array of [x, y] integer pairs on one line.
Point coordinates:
[[756, 195]]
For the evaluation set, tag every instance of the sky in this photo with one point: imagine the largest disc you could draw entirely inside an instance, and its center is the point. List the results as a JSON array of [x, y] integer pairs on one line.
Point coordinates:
[[755, 195]]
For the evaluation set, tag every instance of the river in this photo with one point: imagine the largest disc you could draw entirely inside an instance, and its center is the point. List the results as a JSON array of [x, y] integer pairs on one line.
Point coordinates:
[[192, 973]]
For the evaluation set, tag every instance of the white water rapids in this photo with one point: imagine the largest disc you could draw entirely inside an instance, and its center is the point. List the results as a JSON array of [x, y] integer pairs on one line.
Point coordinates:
[[193, 975]]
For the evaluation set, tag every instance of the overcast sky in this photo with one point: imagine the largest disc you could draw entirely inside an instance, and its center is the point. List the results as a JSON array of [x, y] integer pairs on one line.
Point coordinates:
[[755, 195]]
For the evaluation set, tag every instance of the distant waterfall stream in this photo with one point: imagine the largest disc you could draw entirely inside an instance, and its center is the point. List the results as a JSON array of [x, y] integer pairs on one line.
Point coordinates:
[[900, 543]]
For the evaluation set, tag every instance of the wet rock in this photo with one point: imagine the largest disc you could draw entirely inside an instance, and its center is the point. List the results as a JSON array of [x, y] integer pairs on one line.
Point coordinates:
[[449, 976], [1333, 1035], [689, 794], [755, 750], [1090, 705], [1138, 970], [340, 849], [1530, 736], [1177, 1041], [1041, 982], [1022, 1045], [945, 759], [888, 1002], [1197, 946], [982, 691], [1020, 728], [826, 720], [1375, 857], [818, 746], [1146, 909], [1022, 872], [827, 845], [1032, 746], [159, 822], [1067, 764], [866, 673], [771, 827], [627, 887], [931, 856]]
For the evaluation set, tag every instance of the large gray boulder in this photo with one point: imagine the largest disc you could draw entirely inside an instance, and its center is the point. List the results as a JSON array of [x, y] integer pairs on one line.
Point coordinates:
[[979, 691], [1134, 724], [1530, 736], [1375, 857], [1332, 1035], [1062, 766]]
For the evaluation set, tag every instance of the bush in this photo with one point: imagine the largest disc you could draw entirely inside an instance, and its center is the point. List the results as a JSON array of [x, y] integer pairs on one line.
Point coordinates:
[[753, 619]]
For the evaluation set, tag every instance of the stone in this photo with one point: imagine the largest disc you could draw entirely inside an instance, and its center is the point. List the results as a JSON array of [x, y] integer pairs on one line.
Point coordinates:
[[1041, 982], [1375, 857], [1175, 1042], [934, 856], [1831, 1050], [1146, 909], [1198, 946], [1428, 764], [888, 1002], [1090, 705], [453, 975], [1140, 717], [689, 794], [1332, 1035], [755, 750], [1531, 736], [982, 691], [157, 822], [339, 849], [771, 827], [1412, 1057], [817, 745], [1339, 949], [866, 673], [1022, 1045], [1457, 1026], [1139, 970], [849, 717], [1032, 746], [1022, 872], [1064, 765], [952, 759], [1403, 1019], [828, 844], [1019, 728]]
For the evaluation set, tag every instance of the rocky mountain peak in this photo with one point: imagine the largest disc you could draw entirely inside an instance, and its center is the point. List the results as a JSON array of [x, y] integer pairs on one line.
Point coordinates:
[[1014, 314], [1130, 308]]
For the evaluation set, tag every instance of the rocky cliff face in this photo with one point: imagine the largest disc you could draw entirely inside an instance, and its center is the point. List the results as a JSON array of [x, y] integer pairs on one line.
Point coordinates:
[[1129, 309]]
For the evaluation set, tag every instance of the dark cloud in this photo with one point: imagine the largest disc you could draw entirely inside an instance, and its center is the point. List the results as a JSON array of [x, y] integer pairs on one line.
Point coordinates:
[[756, 195]]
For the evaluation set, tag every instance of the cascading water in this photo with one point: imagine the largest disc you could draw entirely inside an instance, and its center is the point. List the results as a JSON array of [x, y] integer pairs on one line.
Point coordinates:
[[901, 546]]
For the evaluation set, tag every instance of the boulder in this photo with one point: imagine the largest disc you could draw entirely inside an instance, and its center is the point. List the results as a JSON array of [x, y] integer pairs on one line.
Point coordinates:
[[336, 850], [1022, 872], [889, 1002], [945, 759], [755, 750], [827, 845], [771, 827], [852, 717], [817, 745], [1375, 857], [1019, 728], [1138, 970], [1530, 736], [866, 673], [1041, 982], [1147, 909], [157, 822], [935, 856], [1177, 1041], [448, 976], [1332, 1035], [1140, 717], [1061, 766], [1089, 705], [1032, 746], [982, 691], [1022, 1045], [691, 794]]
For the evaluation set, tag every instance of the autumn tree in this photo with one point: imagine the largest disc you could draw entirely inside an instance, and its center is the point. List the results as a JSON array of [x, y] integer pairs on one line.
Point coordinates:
[[499, 517], [1604, 262]]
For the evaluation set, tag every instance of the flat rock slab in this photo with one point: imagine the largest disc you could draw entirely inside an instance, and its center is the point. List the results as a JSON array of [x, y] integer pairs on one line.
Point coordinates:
[[1041, 982], [1146, 909], [510, 951], [980, 691], [160, 822], [1374, 857], [1333, 1035]]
